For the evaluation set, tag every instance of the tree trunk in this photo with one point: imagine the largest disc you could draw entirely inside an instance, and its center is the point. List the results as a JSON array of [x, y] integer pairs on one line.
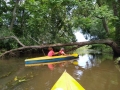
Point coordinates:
[[112, 44], [14, 14], [117, 24], [115, 11], [104, 22], [105, 25]]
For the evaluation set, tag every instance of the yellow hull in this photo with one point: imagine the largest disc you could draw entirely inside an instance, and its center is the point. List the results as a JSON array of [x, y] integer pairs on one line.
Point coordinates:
[[45, 59], [67, 82]]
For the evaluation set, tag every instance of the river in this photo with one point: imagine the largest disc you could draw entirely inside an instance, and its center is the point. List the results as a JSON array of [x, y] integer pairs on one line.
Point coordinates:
[[93, 72]]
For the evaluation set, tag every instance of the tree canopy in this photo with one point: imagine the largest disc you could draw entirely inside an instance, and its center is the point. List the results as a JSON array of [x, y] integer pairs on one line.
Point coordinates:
[[41, 22]]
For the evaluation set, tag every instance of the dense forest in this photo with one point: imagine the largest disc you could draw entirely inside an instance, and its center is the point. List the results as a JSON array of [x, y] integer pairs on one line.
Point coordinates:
[[43, 22]]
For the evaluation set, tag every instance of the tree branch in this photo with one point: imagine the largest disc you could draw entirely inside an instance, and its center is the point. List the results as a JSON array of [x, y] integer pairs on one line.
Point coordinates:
[[110, 43], [14, 37]]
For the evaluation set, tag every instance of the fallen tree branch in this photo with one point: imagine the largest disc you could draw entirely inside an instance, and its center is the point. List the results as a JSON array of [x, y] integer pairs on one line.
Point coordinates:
[[111, 43]]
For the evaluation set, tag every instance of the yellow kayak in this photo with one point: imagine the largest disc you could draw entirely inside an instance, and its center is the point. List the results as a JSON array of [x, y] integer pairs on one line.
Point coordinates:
[[47, 59], [67, 82]]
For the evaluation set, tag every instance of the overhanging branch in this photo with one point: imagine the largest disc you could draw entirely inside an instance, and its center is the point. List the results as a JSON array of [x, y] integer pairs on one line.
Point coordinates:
[[111, 43]]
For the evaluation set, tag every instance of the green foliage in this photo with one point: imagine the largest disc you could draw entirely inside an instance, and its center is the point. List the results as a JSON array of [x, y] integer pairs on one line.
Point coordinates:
[[54, 21], [82, 50], [38, 22], [102, 11], [51, 19], [101, 48], [117, 60], [90, 19]]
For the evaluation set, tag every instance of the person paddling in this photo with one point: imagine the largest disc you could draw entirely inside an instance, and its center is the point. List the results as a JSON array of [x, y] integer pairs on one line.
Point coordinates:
[[62, 52], [51, 52]]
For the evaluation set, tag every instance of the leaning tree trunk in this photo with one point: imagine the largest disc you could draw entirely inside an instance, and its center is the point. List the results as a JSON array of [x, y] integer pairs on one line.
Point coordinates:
[[112, 44]]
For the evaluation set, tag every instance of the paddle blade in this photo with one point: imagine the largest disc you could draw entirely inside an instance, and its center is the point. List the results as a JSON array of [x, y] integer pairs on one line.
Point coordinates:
[[75, 55]]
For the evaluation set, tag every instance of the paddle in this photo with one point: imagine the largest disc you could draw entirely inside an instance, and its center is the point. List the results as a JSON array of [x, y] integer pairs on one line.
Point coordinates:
[[75, 55]]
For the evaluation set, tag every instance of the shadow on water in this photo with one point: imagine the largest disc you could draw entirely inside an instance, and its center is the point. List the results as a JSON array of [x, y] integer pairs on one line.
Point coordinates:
[[93, 72]]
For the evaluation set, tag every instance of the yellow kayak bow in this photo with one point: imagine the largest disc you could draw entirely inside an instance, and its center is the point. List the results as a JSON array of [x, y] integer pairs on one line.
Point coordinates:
[[67, 82]]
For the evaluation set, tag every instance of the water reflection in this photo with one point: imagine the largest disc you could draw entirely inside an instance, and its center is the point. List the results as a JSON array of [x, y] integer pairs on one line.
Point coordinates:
[[93, 72], [87, 61], [51, 66], [77, 74], [59, 65]]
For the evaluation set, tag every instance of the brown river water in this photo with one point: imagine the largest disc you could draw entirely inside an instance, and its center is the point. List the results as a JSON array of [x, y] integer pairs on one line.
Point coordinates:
[[93, 72]]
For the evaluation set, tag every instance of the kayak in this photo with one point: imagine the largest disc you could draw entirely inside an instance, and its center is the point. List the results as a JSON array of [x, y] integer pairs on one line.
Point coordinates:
[[67, 82], [47, 59]]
